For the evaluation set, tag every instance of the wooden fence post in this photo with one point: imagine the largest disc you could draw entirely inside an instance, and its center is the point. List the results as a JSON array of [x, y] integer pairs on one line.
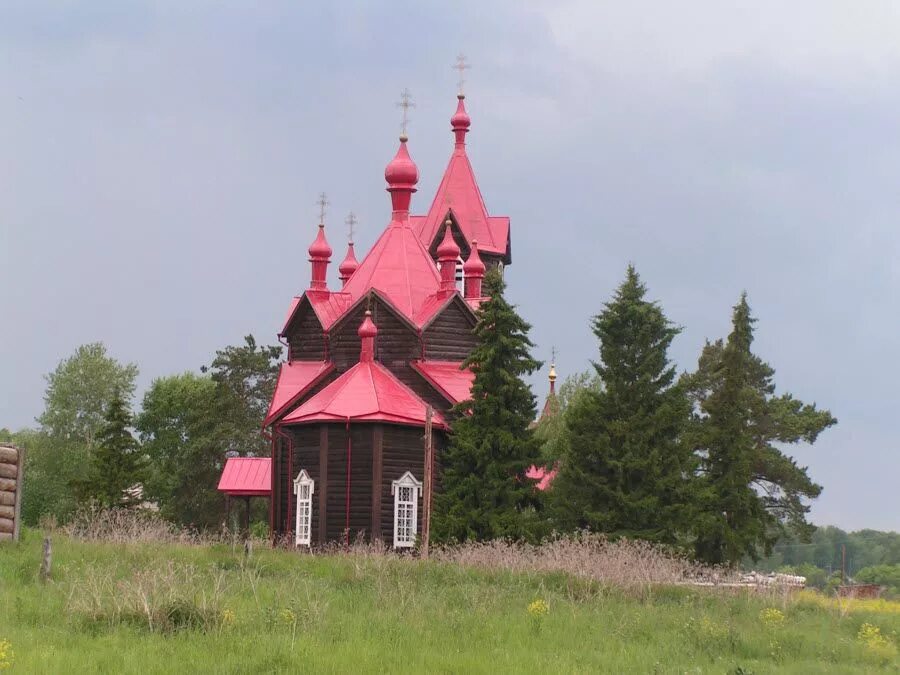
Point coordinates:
[[46, 559]]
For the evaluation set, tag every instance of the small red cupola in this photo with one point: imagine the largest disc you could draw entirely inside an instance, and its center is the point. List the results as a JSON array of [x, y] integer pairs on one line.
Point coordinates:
[[448, 254], [401, 175], [460, 122], [473, 271], [367, 333], [349, 265], [319, 256]]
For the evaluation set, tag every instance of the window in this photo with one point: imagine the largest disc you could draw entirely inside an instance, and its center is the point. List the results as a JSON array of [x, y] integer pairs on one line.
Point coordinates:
[[304, 486], [460, 276], [406, 493]]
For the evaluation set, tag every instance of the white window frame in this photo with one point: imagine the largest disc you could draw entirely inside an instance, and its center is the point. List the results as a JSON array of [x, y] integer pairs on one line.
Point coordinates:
[[303, 508], [460, 275], [406, 510]]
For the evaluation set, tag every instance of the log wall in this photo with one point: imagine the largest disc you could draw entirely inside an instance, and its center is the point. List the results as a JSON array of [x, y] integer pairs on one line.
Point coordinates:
[[12, 479]]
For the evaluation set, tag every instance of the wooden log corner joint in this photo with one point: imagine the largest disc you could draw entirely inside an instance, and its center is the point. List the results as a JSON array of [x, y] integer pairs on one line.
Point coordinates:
[[12, 477]]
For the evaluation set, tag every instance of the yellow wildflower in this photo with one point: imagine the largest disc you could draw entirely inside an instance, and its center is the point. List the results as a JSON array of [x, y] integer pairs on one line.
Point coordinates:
[[288, 617], [772, 617], [6, 655], [538, 609]]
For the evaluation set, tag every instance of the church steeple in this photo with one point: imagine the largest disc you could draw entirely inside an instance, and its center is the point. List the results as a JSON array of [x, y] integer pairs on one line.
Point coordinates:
[[320, 252], [350, 263]]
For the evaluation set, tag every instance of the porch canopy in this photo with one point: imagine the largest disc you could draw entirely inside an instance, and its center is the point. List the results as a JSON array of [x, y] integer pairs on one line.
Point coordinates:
[[247, 477]]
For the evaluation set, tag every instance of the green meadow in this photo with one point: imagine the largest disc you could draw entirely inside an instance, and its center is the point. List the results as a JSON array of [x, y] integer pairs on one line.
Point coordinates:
[[164, 608]]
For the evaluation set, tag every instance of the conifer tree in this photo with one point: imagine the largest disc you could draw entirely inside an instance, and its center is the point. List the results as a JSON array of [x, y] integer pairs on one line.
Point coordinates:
[[117, 463], [626, 470], [751, 491], [485, 494]]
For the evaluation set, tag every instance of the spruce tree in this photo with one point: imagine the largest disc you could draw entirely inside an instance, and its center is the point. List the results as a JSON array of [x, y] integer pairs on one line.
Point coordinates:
[[117, 463], [626, 470], [485, 494], [751, 491]]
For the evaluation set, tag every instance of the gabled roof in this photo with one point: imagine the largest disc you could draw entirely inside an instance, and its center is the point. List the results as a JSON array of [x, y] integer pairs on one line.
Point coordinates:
[[247, 477], [398, 266], [294, 379], [366, 392], [451, 382], [328, 307]]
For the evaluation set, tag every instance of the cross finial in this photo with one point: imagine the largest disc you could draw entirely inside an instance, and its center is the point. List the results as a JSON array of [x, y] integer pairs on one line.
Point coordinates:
[[553, 356], [323, 202], [461, 66], [351, 221], [405, 103]]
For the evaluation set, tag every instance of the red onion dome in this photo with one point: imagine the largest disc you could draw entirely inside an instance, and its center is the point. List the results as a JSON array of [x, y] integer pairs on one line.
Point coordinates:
[[348, 267], [474, 265], [460, 119], [448, 250], [367, 328], [320, 250], [402, 171]]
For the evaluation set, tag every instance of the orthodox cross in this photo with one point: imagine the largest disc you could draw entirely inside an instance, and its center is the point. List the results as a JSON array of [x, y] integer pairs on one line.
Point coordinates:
[[351, 230], [553, 355], [462, 67], [323, 202], [405, 103]]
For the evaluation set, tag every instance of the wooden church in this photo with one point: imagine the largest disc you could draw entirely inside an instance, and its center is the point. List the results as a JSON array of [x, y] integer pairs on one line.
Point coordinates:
[[365, 361]]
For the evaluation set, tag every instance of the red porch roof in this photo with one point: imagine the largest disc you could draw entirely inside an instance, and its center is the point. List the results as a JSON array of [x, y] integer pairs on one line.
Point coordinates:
[[366, 392], [295, 379], [247, 477], [453, 384]]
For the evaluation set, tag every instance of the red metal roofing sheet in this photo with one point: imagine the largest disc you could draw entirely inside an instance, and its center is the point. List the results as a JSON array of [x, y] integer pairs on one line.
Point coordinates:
[[459, 192], [542, 475], [294, 378], [366, 392], [247, 476], [399, 267], [447, 377]]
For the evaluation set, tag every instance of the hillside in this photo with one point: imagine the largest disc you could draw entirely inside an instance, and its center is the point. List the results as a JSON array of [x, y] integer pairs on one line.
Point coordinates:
[[180, 607]]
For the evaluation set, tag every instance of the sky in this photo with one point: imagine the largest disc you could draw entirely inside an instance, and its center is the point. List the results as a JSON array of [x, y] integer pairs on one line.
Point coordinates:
[[160, 164]]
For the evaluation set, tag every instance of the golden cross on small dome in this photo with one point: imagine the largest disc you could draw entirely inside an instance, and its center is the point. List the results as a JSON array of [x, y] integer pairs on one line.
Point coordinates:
[[322, 202], [461, 66], [350, 222], [405, 103]]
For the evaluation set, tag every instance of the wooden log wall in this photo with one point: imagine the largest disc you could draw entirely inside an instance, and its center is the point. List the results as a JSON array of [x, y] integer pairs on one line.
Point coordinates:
[[305, 337], [450, 336], [11, 482]]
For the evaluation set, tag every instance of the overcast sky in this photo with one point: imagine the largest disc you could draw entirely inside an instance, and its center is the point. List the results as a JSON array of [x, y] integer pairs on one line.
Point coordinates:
[[160, 163]]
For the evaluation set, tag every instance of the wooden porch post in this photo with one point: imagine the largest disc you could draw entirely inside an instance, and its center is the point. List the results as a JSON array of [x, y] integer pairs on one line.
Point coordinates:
[[377, 472], [323, 482]]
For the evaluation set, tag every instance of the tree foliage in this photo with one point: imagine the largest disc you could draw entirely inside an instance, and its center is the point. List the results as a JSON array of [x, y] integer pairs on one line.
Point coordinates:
[[245, 378], [751, 490], [79, 391], [625, 469], [185, 438], [116, 462], [485, 494]]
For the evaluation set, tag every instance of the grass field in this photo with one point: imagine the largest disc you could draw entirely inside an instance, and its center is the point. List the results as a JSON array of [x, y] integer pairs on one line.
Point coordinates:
[[163, 608]]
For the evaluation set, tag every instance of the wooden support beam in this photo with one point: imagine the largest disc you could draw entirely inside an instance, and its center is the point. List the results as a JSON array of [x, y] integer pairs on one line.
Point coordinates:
[[377, 480], [323, 483]]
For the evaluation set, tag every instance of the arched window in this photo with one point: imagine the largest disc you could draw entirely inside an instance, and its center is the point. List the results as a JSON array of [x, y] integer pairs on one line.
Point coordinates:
[[406, 493], [304, 486], [460, 276]]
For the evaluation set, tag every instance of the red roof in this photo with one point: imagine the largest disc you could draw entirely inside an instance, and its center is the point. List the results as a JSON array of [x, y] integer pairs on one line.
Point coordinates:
[[542, 475], [447, 377], [247, 477], [294, 380], [459, 193], [400, 267], [366, 392]]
